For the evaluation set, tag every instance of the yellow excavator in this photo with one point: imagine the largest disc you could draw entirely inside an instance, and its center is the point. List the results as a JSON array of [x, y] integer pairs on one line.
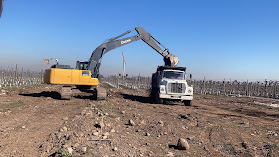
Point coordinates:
[[84, 78]]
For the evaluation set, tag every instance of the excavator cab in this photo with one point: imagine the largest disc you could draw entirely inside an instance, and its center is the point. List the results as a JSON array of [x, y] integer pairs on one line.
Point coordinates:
[[82, 65]]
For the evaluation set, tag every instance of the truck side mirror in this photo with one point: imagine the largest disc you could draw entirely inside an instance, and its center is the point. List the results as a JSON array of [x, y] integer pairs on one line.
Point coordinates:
[[190, 76]]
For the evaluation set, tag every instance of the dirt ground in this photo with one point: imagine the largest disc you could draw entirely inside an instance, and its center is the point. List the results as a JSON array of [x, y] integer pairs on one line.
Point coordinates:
[[34, 122]]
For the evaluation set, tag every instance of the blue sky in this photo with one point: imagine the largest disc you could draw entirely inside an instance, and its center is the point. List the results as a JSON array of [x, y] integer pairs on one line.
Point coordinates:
[[215, 39]]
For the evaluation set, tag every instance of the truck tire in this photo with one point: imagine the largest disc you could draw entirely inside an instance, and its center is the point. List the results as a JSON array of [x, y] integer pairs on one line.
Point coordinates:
[[158, 99], [187, 102]]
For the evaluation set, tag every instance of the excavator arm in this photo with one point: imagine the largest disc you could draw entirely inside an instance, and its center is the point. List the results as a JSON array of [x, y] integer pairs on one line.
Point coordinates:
[[95, 59]]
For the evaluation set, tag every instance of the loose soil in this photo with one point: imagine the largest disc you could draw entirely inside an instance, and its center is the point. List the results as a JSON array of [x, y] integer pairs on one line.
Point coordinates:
[[34, 122]]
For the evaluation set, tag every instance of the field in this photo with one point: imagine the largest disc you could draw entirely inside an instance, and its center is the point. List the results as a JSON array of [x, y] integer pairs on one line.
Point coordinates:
[[35, 123]]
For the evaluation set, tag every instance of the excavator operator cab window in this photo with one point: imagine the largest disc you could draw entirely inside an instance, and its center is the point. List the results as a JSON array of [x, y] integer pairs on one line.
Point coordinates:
[[81, 65]]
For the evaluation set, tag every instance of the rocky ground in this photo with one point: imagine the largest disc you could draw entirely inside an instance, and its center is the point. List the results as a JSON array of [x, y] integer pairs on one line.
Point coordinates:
[[34, 122]]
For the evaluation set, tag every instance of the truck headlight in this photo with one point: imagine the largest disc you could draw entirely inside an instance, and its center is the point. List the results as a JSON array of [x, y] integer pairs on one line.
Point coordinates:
[[162, 89]]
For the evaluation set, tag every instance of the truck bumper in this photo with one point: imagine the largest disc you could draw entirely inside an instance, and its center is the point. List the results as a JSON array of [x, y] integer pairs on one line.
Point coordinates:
[[176, 97]]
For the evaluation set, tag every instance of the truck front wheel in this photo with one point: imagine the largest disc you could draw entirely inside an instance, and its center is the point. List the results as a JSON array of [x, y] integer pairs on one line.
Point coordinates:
[[158, 99], [187, 102]]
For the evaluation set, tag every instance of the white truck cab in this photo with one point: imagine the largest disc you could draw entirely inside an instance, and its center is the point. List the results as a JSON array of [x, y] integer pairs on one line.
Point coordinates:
[[169, 83]]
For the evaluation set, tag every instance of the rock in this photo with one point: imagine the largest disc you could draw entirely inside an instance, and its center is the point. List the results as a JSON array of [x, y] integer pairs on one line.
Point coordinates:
[[106, 134], [114, 149], [170, 154], [131, 122], [118, 118], [112, 130], [23, 127], [142, 122], [76, 145], [89, 113], [75, 134], [65, 118], [96, 133], [58, 136], [65, 128], [83, 112], [105, 137], [70, 150], [182, 144], [67, 137], [84, 149], [161, 123], [122, 112], [147, 134]]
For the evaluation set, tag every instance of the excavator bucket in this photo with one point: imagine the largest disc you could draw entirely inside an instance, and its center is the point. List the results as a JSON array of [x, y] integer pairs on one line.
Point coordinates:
[[171, 60]]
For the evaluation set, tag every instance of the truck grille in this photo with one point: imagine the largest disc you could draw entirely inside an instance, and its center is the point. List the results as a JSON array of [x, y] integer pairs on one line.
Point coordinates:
[[176, 87]]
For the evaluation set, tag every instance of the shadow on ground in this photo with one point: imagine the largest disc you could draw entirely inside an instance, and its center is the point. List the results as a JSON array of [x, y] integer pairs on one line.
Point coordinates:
[[51, 94], [56, 95], [141, 99], [90, 97], [144, 99]]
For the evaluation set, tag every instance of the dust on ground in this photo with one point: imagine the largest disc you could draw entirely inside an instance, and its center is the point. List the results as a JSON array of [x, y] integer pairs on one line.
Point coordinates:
[[34, 122]]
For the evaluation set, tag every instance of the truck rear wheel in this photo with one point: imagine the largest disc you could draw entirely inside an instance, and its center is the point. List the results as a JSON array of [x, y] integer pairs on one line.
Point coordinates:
[[187, 102]]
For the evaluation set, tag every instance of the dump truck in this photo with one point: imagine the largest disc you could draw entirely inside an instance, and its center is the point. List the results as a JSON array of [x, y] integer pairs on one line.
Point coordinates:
[[84, 78], [169, 84]]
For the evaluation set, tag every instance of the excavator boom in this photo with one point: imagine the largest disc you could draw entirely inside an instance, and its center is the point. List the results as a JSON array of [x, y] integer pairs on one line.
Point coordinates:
[[95, 59]]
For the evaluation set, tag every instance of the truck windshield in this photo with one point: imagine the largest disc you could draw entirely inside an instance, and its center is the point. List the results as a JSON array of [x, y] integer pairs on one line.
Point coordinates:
[[173, 75]]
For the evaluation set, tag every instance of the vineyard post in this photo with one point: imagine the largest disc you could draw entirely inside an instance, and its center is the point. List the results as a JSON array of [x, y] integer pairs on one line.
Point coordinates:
[[16, 72], [118, 80], [213, 88], [247, 88], [202, 91], [233, 88], [224, 86], [275, 84], [139, 80], [265, 87], [258, 92], [42, 76]]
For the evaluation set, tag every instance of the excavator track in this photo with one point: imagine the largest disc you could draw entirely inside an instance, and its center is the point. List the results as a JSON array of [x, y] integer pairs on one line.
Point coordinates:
[[66, 92], [101, 93]]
